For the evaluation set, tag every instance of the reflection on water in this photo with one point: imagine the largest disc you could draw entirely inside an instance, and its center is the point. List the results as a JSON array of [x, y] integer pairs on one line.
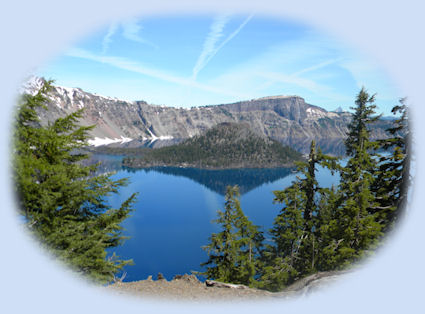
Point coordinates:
[[215, 180], [218, 180], [173, 213]]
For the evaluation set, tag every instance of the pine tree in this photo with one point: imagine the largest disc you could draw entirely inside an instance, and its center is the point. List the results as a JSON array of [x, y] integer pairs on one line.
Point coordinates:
[[393, 175], [233, 252], [288, 233], [357, 229], [321, 229], [314, 197], [296, 231], [62, 201], [329, 232]]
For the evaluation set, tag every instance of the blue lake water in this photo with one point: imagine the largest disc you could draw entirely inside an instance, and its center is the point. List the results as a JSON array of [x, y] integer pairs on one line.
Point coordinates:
[[172, 218]]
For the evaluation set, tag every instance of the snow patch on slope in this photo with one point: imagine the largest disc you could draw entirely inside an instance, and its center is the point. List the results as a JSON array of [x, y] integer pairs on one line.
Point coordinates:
[[315, 113], [31, 86], [164, 137], [97, 141]]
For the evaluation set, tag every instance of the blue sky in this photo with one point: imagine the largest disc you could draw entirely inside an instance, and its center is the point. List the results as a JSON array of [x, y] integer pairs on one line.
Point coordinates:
[[193, 60]]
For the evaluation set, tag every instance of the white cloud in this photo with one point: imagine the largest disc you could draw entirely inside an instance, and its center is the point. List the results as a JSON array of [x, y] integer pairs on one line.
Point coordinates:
[[317, 66], [216, 32], [107, 40], [298, 66], [131, 31], [210, 49], [295, 67], [230, 37], [128, 65]]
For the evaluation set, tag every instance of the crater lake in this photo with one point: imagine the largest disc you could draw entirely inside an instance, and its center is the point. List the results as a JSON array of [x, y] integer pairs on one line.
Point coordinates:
[[175, 210]]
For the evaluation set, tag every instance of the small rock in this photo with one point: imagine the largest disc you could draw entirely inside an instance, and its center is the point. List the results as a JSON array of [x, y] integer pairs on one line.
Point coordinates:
[[218, 284], [189, 278], [160, 276], [176, 277], [149, 278]]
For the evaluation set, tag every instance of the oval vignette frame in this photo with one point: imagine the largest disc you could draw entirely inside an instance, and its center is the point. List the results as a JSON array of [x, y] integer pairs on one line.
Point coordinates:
[[41, 277]]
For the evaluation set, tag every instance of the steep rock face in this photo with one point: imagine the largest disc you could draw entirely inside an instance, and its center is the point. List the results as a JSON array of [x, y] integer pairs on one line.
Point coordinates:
[[288, 119]]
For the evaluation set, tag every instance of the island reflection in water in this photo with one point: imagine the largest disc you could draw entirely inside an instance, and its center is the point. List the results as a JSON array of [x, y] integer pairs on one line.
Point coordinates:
[[174, 212], [218, 180]]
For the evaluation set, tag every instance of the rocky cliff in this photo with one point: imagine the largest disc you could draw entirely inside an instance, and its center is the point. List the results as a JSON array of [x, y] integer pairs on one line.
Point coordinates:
[[288, 119]]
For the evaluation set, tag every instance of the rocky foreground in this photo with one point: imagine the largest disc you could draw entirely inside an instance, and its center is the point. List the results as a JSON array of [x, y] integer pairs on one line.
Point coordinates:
[[189, 288]]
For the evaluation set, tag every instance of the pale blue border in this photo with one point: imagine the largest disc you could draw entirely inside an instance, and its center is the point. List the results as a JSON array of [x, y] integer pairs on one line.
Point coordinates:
[[32, 31]]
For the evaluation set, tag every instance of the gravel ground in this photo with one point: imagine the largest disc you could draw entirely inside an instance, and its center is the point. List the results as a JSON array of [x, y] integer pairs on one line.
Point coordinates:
[[186, 288], [189, 288]]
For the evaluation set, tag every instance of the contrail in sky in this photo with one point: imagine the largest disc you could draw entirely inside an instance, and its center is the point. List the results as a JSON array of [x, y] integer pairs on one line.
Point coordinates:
[[209, 48]]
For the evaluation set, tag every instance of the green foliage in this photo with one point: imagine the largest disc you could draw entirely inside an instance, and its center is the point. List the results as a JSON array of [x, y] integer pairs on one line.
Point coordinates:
[[328, 230], [227, 145], [233, 252], [64, 204], [323, 229], [288, 234], [358, 142], [358, 227], [393, 176], [296, 230]]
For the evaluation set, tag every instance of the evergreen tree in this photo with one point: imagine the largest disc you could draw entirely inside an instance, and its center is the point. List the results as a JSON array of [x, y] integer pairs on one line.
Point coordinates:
[[321, 229], [314, 196], [356, 229], [296, 231], [328, 231], [288, 234], [234, 251], [63, 202], [393, 175]]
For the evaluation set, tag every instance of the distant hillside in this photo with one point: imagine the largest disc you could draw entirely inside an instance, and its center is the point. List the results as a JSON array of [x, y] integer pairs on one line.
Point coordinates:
[[225, 146], [287, 119]]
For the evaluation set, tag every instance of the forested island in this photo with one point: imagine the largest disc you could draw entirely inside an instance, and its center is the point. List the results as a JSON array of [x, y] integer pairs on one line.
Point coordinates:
[[225, 146]]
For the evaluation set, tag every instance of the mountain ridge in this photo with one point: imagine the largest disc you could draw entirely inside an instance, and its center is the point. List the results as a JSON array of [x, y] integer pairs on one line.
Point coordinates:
[[287, 119]]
